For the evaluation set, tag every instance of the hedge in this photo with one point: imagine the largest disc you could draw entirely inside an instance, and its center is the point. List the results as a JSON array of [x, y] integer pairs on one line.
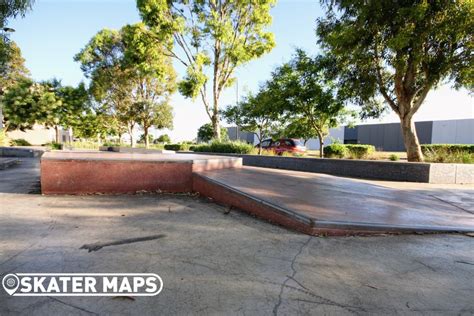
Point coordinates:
[[225, 147], [359, 151], [178, 147], [449, 148], [335, 151], [348, 151]]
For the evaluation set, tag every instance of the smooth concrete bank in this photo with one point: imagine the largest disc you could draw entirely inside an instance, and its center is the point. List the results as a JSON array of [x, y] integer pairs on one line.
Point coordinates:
[[366, 169]]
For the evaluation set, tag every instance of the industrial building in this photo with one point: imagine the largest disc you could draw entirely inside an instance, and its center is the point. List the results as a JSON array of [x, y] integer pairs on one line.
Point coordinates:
[[386, 136]]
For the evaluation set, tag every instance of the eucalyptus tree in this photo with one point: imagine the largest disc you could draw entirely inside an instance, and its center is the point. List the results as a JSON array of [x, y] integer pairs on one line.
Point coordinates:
[[307, 98], [211, 39], [130, 76], [399, 51], [256, 114]]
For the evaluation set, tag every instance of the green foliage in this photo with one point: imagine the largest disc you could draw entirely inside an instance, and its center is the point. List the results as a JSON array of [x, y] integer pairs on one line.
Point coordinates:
[[131, 77], [83, 145], [28, 103], [163, 139], [350, 151], [448, 153], [234, 30], [394, 157], [10, 9], [306, 97], [359, 151], [19, 142], [56, 146], [335, 151], [206, 133], [141, 139], [225, 147], [256, 114], [178, 147], [398, 51], [451, 148], [12, 65]]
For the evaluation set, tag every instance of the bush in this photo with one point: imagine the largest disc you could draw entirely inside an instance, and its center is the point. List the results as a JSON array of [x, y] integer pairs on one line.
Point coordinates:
[[448, 153], [56, 146], [394, 157], [447, 148], [225, 147], [178, 147], [335, 151], [359, 151], [19, 142]]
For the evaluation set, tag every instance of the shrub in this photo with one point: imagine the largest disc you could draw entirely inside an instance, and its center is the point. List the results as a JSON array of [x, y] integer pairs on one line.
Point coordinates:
[[335, 151], [225, 147], [19, 142], [394, 157], [447, 153], [56, 146], [178, 147], [82, 145], [359, 151]]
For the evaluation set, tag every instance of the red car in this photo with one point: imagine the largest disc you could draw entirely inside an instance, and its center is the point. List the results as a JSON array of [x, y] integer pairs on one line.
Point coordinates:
[[280, 146]]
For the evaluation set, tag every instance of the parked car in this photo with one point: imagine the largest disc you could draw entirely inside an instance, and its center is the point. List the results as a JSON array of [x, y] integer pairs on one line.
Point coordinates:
[[291, 145]]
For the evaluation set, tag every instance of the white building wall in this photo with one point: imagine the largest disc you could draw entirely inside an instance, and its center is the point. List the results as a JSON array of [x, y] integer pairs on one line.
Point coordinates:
[[335, 134], [453, 132]]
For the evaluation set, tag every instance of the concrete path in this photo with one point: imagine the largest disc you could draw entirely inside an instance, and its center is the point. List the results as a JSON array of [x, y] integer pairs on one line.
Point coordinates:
[[342, 203], [216, 262]]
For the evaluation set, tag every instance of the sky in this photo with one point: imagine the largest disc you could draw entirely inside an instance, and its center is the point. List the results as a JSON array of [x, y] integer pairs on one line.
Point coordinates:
[[55, 30]]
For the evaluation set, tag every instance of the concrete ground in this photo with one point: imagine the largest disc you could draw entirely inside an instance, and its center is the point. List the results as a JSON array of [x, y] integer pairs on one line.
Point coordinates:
[[213, 261]]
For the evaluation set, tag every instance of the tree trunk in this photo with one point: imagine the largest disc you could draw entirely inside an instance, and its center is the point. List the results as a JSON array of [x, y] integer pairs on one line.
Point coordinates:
[[145, 133], [130, 133], [216, 129], [56, 130], [412, 145], [321, 147]]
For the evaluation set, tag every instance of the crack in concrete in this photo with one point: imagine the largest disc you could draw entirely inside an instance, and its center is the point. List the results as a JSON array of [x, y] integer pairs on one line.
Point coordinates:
[[73, 306], [292, 266], [98, 246], [451, 203]]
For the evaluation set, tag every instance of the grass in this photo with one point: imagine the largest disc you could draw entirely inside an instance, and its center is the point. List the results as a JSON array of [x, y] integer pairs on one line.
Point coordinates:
[[377, 155]]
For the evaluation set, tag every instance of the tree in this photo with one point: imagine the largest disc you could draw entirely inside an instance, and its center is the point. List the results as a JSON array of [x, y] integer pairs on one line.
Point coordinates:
[[149, 114], [399, 50], [306, 97], [8, 50], [28, 103], [12, 69], [165, 138], [206, 133], [255, 114], [13, 8], [48, 103], [214, 38], [130, 76]]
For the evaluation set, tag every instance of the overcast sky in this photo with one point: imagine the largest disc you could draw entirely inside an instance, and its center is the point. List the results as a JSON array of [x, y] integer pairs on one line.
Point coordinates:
[[51, 34]]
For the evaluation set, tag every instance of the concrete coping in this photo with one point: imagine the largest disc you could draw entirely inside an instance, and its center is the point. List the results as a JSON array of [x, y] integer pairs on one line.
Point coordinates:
[[132, 157]]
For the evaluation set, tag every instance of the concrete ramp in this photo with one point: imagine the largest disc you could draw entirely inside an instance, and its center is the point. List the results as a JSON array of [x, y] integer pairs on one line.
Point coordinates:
[[323, 204]]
